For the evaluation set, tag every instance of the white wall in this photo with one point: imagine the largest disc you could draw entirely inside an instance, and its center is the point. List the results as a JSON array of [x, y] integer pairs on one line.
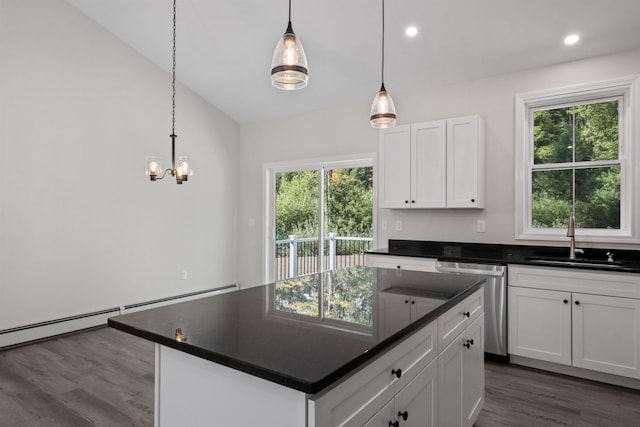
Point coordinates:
[[346, 130], [81, 227]]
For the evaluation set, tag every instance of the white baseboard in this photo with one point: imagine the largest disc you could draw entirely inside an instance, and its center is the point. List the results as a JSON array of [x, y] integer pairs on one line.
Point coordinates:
[[25, 334]]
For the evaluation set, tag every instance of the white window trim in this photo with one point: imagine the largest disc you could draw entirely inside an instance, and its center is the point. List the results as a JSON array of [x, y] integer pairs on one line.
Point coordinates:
[[629, 88], [269, 210]]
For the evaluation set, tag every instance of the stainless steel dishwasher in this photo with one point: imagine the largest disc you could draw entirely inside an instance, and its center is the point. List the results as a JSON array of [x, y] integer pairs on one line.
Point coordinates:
[[495, 301]]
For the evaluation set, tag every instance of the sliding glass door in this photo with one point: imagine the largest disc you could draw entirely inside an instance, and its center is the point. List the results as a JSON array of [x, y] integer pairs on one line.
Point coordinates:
[[321, 218]]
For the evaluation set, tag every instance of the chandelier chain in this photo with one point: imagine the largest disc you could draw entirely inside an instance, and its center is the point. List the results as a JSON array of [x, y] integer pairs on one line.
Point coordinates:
[[173, 84]]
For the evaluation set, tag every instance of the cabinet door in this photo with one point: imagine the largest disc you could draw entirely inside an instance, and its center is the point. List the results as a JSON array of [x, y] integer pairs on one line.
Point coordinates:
[[465, 162], [384, 417], [394, 313], [417, 403], [429, 164], [395, 175], [539, 324], [606, 334], [461, 378], [473, 372]]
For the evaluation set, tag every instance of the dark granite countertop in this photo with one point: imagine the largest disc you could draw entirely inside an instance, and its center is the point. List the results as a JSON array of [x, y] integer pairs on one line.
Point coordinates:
[[305, 333], [491, 253]]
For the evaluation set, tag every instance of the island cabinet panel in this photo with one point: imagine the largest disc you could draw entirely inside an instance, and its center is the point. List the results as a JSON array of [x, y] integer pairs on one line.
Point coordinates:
[[190, 392], [459, 318], [376, 396], [461, 377], [415, 406], [357, 399]]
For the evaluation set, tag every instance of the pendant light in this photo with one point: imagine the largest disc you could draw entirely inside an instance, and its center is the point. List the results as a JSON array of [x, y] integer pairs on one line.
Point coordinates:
[[182, 169], [383, 112], [289, 64]]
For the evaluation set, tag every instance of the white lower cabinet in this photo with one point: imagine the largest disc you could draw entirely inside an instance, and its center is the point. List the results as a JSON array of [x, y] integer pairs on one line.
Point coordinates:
[[415, 384], [415, 406], [461, 374], [575, 324], [539, 324]]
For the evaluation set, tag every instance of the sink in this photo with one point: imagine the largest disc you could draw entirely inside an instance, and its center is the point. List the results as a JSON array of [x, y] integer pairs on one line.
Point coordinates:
[[578, 262]]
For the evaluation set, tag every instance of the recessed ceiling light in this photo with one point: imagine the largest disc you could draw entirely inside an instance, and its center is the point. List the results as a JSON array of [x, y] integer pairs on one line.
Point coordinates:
[[571, 39], [411, 31]]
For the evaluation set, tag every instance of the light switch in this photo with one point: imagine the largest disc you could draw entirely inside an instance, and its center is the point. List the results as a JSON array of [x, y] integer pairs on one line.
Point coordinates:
[[399, 225], [480, 226]]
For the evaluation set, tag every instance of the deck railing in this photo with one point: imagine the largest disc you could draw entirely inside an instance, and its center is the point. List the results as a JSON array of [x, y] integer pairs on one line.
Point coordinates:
[[297, 256]]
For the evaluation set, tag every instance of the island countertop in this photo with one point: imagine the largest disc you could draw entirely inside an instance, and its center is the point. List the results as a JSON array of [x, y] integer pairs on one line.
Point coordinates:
[[305, 333]]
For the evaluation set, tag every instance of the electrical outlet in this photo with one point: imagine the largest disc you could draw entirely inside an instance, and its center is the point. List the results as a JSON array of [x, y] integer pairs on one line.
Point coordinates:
[[480, 227], [183, 275], [399, 225]]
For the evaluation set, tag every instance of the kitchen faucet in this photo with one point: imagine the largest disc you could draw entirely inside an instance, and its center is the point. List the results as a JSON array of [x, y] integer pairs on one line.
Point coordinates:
[[571, 232]]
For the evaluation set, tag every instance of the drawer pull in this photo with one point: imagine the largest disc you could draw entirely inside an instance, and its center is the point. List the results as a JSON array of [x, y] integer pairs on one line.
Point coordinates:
[[468, 344], [404, 415], [394, 424], [466, 314], [396, 372]]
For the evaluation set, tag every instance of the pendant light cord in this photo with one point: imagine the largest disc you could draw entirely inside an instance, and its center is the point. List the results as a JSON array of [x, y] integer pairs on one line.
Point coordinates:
[[173, 98], [289, 11], [382, 77]]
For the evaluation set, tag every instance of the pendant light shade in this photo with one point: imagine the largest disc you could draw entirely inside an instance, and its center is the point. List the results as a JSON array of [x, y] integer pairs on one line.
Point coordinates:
[[289, 69], [383, 111]]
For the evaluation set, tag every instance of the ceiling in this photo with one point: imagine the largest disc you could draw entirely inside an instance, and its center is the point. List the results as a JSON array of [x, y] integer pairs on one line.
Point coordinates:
[[224, 47]]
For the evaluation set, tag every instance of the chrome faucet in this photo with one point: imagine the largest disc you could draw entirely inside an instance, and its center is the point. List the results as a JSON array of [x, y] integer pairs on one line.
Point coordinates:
[[571, 232]]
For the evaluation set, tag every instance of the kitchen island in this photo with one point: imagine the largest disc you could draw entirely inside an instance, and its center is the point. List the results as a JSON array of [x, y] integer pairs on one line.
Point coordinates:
[[335, 348]]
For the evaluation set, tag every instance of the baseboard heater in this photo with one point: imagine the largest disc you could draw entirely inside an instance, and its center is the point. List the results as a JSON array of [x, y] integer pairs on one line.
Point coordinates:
[[27, 334]]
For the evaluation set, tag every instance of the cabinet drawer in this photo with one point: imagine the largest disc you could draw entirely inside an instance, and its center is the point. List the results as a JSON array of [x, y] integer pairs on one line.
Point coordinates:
[[576, 280], [454, 321], [356, 400], [402, 263]]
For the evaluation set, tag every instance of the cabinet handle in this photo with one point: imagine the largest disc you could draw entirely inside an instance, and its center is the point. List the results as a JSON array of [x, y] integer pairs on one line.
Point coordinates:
[[404, 415], [577, 302], [466, 314], [396, 372], [406, 301], [398, 267], [413, 201], [566, 301], [394, 424], [468, 344], [413, 302], [406, 201], [473, 200]]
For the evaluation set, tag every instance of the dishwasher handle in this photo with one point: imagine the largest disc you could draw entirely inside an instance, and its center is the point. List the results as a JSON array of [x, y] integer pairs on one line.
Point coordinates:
[[477, 272]]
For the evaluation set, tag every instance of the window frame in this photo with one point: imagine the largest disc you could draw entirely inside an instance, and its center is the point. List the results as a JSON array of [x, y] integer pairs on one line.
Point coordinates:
[[525, 104]]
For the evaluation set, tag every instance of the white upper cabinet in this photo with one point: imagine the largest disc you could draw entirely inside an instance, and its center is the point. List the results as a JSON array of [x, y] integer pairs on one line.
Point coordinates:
[[465, 162], [437, 164]]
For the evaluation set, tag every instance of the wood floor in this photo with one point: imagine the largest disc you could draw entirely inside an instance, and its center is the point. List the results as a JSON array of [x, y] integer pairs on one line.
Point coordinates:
[[104, 377]]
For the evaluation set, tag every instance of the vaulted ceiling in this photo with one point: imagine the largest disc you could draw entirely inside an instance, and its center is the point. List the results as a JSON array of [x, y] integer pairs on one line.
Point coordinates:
[[225, 46]]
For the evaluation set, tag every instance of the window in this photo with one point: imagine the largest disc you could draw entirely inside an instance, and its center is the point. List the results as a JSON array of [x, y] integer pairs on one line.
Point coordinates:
[[575, 157]]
